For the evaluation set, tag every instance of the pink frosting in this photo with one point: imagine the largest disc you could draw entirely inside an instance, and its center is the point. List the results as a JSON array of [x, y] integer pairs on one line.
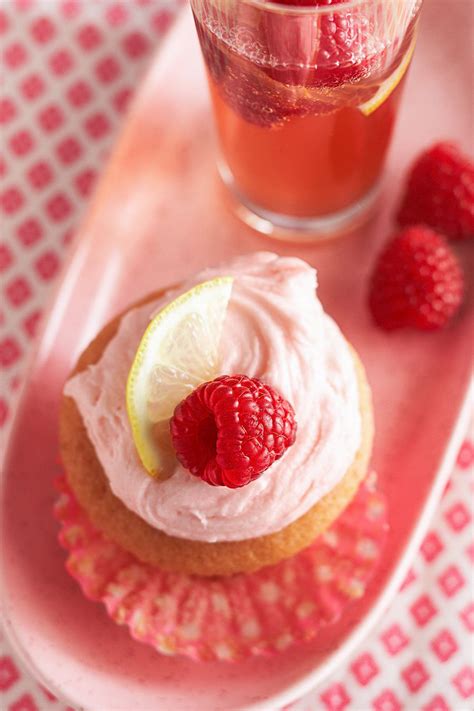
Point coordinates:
[[275, 329]]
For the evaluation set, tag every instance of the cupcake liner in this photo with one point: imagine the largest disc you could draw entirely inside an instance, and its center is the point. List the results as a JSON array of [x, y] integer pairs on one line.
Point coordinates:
[[229, 618]]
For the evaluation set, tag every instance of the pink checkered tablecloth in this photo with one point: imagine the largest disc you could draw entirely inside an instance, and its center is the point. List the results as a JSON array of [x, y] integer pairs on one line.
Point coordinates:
[[68, 69]]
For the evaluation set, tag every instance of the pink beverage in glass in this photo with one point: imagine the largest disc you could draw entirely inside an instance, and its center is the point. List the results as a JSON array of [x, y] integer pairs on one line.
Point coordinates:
[[305, 100]]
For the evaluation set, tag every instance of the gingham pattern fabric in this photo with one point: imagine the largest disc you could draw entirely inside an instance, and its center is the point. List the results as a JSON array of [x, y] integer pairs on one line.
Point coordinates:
[[68, 69]]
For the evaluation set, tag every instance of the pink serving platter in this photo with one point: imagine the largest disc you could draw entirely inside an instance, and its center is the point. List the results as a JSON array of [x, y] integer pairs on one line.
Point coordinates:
[[158, 215]]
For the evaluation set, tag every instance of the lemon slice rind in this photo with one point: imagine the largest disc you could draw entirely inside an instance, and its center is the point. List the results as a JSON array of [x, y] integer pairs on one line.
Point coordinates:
[[389, 85]]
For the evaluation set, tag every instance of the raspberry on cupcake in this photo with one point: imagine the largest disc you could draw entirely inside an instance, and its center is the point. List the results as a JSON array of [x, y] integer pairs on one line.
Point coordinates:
[[229, 431]]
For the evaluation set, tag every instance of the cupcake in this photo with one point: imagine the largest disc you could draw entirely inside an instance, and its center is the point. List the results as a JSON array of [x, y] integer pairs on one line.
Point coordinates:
[[219, 427]]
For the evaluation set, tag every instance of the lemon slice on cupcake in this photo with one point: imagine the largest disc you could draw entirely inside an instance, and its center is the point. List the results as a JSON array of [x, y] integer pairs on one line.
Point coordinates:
[[178, 351]]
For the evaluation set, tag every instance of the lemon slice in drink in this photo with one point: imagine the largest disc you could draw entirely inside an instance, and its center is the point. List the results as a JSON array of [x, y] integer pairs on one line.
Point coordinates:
[[389, 85], [178, 352]]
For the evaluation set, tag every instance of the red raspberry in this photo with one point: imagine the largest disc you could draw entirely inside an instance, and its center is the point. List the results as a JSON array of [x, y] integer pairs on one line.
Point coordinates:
[[417, 282], [230, 430], [345, 48], [440, 192], [245, 88]]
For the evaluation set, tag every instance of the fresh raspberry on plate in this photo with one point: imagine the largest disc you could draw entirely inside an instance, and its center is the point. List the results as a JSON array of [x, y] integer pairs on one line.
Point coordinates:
[[230, 430], [417, 282], [440, 192]]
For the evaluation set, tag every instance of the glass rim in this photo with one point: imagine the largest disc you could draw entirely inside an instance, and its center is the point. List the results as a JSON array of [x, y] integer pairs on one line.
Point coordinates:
[[283, 9]]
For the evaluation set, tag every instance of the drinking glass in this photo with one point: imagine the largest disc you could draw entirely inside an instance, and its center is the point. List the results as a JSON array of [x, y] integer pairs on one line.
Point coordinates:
[[305, 100]]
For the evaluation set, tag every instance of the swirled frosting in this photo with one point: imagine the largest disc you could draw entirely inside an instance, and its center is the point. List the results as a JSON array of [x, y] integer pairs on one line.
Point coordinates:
[[275, 329]]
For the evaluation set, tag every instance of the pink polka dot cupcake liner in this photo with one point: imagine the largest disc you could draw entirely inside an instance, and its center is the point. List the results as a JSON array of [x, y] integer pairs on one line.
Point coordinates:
[[229, 618]]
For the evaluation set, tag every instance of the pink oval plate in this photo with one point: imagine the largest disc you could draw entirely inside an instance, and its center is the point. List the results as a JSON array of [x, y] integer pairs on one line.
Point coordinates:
[[158, 215]]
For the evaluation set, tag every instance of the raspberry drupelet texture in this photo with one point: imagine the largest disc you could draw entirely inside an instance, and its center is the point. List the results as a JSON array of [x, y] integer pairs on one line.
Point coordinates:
[[344, 49], [440, 192], [230, 430], [417, 282]]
